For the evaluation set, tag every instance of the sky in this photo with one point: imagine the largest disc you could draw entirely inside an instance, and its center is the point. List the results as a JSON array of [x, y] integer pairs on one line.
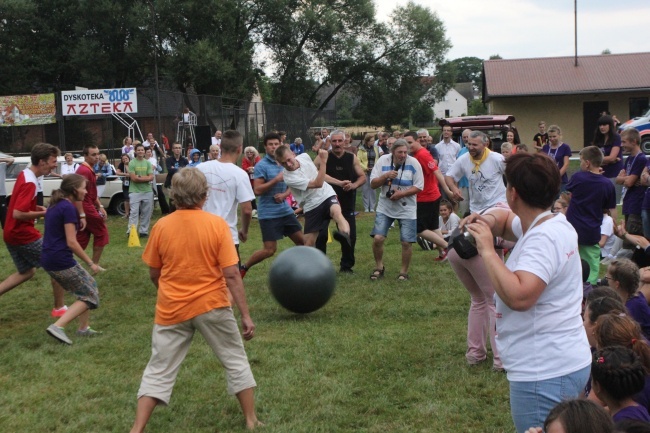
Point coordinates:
[[536, 28]]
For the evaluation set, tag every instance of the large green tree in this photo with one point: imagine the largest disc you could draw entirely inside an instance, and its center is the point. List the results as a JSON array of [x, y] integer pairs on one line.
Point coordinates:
[[469, 69], [51, 45]]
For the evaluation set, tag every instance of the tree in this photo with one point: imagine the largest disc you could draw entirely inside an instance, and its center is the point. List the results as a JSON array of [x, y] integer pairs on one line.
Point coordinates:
[[495, 57], [469, 69], [606, 51], [422, 113], [476, 108], [336, 44]]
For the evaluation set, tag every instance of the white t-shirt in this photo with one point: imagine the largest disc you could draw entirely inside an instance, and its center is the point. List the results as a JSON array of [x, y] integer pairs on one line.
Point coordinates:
[[447, 154], [229, 185], [68, 169], [154, 164], [548, 340], [486, 187], [298, 180], [607, 229], [409, 175], [216, 141], [450, 225]]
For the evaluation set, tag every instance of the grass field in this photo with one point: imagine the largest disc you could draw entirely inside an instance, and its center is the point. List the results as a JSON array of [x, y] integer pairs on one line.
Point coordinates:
[[379, 357]]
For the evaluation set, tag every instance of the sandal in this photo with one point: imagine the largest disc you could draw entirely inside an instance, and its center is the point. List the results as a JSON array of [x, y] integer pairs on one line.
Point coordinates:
[[377, 274], [403, 277]]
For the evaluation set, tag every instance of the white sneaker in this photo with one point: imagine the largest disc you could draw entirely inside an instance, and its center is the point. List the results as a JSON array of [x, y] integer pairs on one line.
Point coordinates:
[[58, 333], [254, 213]]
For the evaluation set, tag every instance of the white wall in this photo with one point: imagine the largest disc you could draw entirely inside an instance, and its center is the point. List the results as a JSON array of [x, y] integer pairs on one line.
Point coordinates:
[[454, 102]]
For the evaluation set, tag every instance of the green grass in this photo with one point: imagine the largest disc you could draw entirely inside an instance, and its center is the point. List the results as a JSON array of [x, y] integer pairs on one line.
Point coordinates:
[[379, 357]]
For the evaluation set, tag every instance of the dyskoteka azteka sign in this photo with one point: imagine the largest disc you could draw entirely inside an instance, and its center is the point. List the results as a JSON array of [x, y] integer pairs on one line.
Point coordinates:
[[99, 101]]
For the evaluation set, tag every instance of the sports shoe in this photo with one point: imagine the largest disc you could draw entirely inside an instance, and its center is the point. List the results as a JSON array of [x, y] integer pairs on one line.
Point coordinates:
[[242, 271], [88, 332], [254, 213], [441, 257], [58, 312], [342, 237], [58, 333]]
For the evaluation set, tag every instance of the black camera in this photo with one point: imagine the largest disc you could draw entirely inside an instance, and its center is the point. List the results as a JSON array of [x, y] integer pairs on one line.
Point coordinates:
[[390, 193], [464, 244]]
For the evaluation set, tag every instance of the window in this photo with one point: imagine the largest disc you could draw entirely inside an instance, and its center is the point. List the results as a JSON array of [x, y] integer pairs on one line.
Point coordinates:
[[638, 107]]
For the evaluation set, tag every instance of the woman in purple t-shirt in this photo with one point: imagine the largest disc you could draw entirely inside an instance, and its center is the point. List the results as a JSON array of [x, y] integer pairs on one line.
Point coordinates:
[[59, 243], [609, 142], [560, 152]]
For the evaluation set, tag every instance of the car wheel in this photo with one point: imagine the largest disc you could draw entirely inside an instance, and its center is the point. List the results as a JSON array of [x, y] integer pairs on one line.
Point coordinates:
[[645, 145], [117, 206]]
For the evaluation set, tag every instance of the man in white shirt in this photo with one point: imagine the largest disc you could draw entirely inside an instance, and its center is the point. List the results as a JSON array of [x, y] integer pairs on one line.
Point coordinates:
[[447, 150], [217, 138], [312, 193], [229, 186], [484, 169], [400, 178]]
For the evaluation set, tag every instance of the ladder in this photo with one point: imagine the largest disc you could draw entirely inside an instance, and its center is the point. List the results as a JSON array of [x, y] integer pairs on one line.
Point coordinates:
[[186, 125]]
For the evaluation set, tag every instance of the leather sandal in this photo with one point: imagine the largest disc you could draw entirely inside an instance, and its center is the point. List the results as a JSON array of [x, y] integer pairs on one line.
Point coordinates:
[[377, 274]]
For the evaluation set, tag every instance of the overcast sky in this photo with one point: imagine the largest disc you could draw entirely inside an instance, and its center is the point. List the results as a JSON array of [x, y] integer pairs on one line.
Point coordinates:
[[537, 28]]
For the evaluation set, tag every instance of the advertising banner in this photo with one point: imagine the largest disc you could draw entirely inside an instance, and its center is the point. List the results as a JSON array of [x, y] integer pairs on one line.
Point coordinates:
[[24, 110], [99, 101]]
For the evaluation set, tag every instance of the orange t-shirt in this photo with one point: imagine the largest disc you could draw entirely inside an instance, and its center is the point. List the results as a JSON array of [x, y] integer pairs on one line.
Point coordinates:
[[190, 247]]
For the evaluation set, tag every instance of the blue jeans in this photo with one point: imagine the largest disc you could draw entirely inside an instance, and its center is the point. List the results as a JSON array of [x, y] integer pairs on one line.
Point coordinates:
[[531, 402]]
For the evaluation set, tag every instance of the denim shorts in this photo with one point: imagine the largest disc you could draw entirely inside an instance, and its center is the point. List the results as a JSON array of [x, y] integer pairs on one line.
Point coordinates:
[[407, 227]]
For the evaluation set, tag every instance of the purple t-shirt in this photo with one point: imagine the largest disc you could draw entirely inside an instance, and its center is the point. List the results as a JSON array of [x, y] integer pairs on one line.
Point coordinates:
[[56, 256], [632, 412], [634, 196], [612, 170], [638, 308], [590, 194], [558, 155]]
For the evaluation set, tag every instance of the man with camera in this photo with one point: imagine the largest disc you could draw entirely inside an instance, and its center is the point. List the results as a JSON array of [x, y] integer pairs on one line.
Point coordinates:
[[484, 169], [400, 178]]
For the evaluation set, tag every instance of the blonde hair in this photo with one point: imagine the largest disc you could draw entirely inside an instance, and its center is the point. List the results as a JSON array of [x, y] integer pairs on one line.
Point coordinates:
[[189, 188], [103, 157], [506, 146], [554, 128], [252, 149]]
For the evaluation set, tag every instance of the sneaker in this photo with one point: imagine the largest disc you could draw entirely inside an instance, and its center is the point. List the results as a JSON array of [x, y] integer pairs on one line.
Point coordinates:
[[342, 237], [441, 257], [88, 332], [254, 213], [242, 271], [58, 312], [143, 235], [58, 333]]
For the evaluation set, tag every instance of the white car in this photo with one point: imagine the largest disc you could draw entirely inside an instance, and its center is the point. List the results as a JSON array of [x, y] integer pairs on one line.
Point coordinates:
[[112, 198]]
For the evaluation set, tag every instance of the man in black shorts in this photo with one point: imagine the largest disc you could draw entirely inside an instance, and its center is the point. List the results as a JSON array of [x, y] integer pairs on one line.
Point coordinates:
[[312, 193]]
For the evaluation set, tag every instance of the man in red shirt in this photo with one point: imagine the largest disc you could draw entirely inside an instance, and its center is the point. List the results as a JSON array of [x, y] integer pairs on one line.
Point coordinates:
[[23, 241], [91, 210], [428, 200]]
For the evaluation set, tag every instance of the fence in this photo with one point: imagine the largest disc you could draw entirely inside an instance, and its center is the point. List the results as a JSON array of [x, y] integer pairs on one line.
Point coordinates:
[[251, 119]]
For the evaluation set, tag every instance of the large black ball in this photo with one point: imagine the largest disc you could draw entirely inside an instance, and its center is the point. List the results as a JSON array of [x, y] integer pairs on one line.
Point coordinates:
[[302, 279]]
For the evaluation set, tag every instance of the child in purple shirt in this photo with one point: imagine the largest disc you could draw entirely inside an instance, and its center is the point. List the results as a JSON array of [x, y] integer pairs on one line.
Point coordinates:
[[623, 276], [560, 152], [617, 374], [59, 243], [629, 177], [591, 192]]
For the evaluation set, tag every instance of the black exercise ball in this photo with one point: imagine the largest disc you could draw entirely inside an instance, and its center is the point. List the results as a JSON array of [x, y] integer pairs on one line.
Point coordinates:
[[302, 279]]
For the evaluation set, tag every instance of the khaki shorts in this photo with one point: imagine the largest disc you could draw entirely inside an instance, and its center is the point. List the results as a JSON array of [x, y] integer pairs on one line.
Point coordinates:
[[169, 346]]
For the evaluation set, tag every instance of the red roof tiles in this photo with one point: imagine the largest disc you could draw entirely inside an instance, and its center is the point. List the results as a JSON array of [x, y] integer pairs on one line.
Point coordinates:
[[559, 75]]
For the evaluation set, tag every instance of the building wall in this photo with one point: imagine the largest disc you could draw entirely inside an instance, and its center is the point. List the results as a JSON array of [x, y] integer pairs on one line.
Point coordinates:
[[564, 111], [454, 102]]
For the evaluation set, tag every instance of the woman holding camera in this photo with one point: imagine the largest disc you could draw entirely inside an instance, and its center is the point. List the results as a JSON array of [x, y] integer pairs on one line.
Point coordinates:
[[540, 337]]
